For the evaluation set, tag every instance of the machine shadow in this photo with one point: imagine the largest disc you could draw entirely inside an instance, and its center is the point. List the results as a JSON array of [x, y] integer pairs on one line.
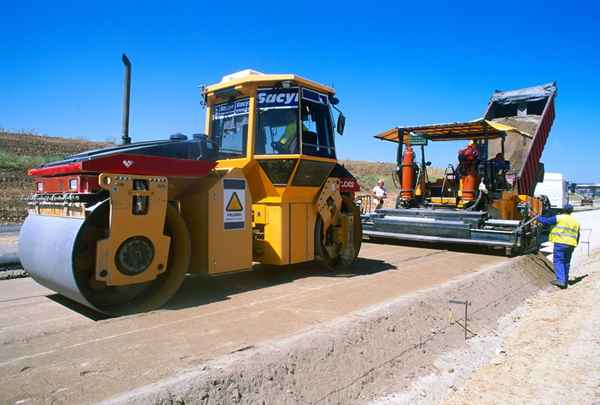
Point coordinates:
[[452, 247], [200, 290], [77, 307]]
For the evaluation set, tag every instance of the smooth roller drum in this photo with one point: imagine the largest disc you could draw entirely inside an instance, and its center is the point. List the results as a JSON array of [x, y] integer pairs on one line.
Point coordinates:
[[46, 252], [59, 253]]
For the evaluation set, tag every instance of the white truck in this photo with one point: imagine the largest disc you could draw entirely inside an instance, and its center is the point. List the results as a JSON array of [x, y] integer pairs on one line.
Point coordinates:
[[554, 187]]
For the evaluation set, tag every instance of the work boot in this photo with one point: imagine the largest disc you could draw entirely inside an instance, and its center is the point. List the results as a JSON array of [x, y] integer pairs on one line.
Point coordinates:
[[558, 284]]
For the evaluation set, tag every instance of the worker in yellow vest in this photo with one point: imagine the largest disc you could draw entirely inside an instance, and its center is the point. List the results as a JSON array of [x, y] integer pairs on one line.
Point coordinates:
[[565, 236]]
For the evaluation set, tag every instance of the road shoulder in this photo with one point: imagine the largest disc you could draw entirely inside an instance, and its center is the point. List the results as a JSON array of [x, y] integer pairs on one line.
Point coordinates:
[[553, 355]]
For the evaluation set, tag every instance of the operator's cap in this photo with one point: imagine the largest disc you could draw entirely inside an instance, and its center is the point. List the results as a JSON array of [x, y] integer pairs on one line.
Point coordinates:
[[568, 208]]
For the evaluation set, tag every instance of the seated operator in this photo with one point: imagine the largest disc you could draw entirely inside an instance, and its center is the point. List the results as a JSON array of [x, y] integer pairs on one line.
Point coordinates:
[[499, 163], [500, 167], [288, 143]]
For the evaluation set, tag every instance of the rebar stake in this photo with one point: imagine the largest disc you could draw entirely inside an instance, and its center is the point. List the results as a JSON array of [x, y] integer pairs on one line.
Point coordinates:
[[466, 304]]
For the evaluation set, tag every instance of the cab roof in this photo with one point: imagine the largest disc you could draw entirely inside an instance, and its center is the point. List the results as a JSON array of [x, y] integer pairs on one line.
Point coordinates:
[[251, 76]]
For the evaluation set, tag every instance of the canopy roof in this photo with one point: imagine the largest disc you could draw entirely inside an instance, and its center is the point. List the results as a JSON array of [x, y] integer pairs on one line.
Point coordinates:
[[455, 131]]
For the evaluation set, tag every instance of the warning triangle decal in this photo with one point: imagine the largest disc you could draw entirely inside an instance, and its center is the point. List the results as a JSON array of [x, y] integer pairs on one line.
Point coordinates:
[[234, 203]]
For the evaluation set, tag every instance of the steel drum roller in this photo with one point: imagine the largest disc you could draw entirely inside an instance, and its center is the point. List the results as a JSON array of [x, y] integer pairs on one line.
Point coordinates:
[[59, 253]]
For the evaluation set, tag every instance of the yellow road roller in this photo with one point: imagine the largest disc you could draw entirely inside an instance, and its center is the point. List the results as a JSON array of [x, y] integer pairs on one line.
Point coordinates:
[[118, 229]]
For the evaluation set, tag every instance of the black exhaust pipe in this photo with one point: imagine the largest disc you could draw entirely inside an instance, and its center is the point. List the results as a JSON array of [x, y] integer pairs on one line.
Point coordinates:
[[126, 92]]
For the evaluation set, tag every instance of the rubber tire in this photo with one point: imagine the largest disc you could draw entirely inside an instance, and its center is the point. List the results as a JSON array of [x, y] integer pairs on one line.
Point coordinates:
[[321, 253]]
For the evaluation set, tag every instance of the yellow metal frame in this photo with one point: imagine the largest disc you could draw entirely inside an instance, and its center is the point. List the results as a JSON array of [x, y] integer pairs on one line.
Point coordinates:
[[216, 250], [124, 224]]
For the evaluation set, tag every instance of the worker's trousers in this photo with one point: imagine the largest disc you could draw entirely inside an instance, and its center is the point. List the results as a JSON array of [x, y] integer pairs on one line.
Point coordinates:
[[562, 262]]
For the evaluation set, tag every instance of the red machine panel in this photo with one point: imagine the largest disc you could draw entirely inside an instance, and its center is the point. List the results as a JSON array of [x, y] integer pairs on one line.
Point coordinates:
[[67, 184], [349, 185], [131, 164]]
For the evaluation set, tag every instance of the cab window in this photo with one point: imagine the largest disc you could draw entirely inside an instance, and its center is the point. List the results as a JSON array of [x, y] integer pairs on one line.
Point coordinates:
[[277, 122], [317, 128], [229, 128]]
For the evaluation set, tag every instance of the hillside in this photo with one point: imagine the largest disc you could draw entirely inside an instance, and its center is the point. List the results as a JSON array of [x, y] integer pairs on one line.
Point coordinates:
[[19, 152], [369, 172]]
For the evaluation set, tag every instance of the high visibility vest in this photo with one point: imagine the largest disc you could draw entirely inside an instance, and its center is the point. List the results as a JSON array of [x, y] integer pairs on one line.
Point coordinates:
[[565, 231]]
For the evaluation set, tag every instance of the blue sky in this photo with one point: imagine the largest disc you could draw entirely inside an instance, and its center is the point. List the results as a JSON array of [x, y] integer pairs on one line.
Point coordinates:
[[392, 64]]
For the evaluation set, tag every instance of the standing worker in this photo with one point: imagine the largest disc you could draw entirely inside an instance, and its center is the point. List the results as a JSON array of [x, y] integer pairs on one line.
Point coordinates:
[[379, 193], [468, 156], [565, 236], [468, 159]]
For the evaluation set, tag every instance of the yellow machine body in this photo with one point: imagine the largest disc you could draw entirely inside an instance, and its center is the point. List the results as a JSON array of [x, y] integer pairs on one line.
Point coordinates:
[[283, 214], [278, 219], [220, 250], [122, 223], [271, 201]]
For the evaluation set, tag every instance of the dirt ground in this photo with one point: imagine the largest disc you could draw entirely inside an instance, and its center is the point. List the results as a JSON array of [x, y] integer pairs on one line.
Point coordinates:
[[547, 351], [54, 350], [553, 354]]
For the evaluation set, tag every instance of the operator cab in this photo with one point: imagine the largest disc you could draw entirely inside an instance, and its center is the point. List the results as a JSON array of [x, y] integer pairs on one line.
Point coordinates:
[[282, 122], [293, 121]]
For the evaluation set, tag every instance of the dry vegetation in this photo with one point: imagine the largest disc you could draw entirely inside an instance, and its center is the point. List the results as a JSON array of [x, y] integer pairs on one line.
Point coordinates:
[[21, 151], [368, 173]]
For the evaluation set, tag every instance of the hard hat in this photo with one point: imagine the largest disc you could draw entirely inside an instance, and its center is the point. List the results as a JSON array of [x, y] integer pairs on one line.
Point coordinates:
[[568, 208], [471, 143]]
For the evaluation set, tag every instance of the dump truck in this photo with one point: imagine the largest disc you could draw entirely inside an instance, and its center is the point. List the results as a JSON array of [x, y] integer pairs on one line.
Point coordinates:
[[118, 229], [488, 198]]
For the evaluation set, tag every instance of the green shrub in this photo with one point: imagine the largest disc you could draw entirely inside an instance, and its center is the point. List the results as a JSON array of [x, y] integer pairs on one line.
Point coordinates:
[[12, 161]]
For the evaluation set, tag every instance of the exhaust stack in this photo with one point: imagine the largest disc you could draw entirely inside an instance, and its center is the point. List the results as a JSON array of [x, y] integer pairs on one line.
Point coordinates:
[[126, 92]]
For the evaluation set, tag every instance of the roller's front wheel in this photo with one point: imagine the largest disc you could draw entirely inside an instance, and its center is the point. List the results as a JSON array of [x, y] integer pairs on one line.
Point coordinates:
[[60, 253]]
